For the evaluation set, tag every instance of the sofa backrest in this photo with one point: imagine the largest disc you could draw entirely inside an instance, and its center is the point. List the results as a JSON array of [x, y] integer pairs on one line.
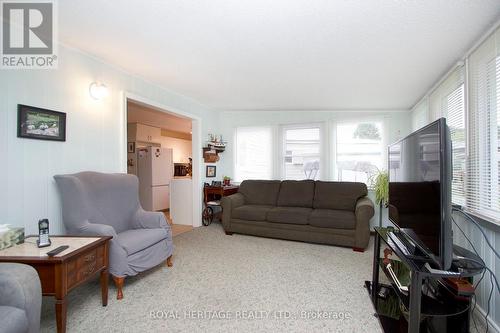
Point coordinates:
[[260, 192], [338, 195], [296, 193]]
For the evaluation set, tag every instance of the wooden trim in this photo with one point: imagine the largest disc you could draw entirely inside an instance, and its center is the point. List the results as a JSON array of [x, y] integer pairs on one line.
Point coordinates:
[[176, 134]]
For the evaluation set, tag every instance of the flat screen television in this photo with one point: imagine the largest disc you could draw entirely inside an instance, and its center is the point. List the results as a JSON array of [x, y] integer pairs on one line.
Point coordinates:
[[420, 174]]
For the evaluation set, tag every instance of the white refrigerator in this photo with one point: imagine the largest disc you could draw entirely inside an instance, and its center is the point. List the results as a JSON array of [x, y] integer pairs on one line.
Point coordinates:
[[155, 170]]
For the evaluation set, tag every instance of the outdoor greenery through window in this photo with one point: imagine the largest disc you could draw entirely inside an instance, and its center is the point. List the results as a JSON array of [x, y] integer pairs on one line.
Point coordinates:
[[359, 151], [302, 147]]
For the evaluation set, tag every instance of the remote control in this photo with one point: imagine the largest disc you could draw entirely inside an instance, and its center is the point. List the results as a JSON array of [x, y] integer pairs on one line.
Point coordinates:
[[57, 250]]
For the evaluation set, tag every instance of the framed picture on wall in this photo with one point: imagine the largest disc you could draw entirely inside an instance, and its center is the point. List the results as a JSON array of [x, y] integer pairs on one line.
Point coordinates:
[[211, 171], [41, 124], [131, 147]]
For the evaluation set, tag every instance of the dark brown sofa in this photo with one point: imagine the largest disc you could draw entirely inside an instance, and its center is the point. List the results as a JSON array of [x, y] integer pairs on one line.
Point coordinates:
[[336, 213]]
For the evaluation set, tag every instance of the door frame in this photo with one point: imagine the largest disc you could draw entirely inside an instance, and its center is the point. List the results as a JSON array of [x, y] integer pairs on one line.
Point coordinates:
[[196, 145]]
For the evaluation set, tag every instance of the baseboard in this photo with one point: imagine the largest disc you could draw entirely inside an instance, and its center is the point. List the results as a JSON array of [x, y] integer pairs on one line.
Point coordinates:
[[479, 314]]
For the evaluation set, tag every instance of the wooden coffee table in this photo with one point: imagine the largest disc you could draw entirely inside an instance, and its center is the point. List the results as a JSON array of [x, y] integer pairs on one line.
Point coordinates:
[[85, 257]]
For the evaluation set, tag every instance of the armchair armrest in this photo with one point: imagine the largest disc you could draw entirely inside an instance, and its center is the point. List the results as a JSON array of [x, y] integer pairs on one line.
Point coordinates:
[[364, 211], [96, 229], [20, 288], [149, 220], [228, 204]]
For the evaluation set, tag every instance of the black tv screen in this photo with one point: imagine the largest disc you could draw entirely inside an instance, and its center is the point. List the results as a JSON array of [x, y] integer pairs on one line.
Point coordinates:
[[420, 190]]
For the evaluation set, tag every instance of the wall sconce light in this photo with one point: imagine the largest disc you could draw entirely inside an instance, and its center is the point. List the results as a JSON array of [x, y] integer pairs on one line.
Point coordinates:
[[98, 90]]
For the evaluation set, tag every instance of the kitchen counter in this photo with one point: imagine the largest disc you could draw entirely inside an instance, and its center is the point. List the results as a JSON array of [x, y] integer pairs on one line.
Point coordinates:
[[182, 177], [181, 200]]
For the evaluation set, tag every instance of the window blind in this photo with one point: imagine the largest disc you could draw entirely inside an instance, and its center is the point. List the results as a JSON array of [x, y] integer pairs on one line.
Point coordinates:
[[253, 153], [419, 114], [482, 186], [448, 101]]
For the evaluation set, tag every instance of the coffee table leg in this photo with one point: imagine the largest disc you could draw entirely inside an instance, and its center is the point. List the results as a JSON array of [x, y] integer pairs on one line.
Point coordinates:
[[61, 315], [104, 286]]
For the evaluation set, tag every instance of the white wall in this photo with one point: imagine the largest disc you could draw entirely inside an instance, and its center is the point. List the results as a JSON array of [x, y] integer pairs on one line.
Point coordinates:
[[182, 149], [95, 132], [397, 124]]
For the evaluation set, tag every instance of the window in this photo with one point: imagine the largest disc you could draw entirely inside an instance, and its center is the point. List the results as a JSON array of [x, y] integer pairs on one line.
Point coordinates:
[[359, 151], [448, 101], [482, 185], [454, 111], [253, 153], [302, 147], [419, 115]]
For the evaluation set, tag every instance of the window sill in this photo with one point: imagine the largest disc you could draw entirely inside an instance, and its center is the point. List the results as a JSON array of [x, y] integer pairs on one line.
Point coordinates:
[[483, 221]]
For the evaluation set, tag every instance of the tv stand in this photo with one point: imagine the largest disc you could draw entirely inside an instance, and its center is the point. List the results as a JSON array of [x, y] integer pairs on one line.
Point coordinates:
[[419, 289]]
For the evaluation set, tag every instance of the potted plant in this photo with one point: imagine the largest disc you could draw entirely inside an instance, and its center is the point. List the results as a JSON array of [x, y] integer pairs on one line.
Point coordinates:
[[380, 184], [227, 180]]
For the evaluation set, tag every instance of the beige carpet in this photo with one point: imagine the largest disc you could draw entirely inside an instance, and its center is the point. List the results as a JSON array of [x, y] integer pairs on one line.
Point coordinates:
[[233, 283]]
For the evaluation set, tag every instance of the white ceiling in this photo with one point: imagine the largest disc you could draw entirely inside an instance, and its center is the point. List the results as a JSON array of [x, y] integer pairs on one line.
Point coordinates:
[[139, 113], [282, 54]]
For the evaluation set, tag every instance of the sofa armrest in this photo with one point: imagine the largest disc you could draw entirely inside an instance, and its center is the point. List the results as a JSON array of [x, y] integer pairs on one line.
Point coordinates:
[[364, 211], [20, 288], [149, 220], [228, 204]]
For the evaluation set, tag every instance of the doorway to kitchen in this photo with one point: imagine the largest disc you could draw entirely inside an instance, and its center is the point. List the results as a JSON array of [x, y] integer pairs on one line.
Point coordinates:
[[160, 143]]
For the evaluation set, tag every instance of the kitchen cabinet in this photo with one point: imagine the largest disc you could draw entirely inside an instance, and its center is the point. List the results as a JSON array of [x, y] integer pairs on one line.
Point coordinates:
[[143, 133]]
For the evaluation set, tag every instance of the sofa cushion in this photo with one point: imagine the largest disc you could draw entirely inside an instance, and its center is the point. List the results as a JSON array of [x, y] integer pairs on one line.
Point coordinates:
[[251, 212], [14, 320], [338, 195], [296, 193], [136, 240], [332, 218], [260, 192], [291, 215]]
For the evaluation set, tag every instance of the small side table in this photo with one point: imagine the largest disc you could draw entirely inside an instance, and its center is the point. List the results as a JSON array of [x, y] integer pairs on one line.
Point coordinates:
[[85, 257], [211, 198]]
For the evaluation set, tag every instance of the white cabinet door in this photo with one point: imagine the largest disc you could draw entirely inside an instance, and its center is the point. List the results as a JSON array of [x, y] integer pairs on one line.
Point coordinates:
[[161, 197], [142, 133], [154, 134]]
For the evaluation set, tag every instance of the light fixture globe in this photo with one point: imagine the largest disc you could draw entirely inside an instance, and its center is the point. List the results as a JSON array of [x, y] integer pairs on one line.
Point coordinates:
[[98, 90]]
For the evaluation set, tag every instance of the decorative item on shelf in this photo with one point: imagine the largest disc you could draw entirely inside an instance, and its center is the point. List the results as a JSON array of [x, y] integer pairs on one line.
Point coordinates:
[[226, 180], [215, 145], [211, 171], [215, 142], [216, 183], [380, 183], [42, 124], [10, 236]]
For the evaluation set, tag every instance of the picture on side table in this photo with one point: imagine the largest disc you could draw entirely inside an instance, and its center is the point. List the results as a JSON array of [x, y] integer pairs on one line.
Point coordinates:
[[42, 124]]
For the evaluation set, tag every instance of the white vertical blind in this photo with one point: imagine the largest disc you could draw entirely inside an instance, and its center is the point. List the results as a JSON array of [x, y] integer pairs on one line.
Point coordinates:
[[420, 114], [482, 185], [254, 158], [302, 152], [448, 101], [453, 108]]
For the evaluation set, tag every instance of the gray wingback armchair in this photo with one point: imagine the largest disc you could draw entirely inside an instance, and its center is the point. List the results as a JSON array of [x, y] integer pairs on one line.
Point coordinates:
[[20, 299], [104, 204]]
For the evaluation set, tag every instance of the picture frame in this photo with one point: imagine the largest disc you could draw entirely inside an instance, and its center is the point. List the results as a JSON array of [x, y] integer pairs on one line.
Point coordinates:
[[41, 124], [131, 147], [211, 171]]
